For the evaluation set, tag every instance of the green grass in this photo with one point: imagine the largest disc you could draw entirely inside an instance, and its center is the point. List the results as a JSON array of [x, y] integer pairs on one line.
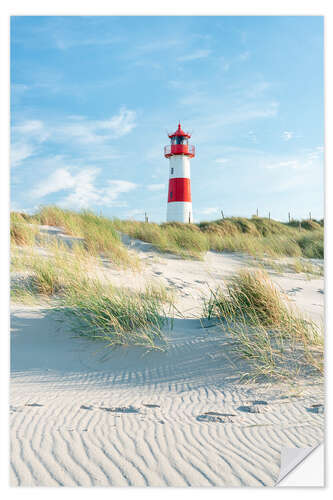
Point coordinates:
[[312, 244], [21, 233], [119, 317], [258, 236], [185, 240], [264, 328], [100, 237], [93, 308]]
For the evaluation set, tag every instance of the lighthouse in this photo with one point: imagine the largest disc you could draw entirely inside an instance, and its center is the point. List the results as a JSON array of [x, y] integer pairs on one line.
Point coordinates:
[[179, 152]]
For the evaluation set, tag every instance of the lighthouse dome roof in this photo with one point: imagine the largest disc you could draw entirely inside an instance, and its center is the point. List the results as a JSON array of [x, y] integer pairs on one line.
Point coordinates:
[[180, 132]]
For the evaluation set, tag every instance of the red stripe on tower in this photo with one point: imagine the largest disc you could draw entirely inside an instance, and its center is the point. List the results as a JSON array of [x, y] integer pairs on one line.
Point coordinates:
[[179, 189]]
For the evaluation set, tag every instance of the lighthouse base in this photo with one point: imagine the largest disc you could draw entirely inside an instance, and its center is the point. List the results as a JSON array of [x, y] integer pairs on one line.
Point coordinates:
[[180, 211]]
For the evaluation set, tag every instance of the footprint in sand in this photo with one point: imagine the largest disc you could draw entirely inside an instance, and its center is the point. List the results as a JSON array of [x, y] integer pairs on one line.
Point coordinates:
[[148, 405], [86, 407], [215, 417], [14, 409], [121, 409], [293, 291], [33, 404], [257, 406], [317, 408]]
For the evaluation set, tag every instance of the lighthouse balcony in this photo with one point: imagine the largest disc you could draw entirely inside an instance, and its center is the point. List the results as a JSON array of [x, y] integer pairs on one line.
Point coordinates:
[[179, 149]]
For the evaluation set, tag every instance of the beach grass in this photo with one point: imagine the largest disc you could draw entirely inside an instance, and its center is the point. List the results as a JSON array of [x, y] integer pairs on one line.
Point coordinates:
[[118, 317], [91, 307], [99, 235], [265, 328], [21, 233], [257, 236]]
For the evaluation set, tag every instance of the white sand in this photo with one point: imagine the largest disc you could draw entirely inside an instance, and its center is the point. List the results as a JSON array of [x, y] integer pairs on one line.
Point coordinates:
[[80, 414]]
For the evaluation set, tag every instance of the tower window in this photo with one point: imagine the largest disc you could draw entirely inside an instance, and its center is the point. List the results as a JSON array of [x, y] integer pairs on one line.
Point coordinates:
[[170, 195], [171, 170]]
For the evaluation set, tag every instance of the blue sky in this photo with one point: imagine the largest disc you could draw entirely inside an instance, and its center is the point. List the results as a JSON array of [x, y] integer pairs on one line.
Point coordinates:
[[92, 99]]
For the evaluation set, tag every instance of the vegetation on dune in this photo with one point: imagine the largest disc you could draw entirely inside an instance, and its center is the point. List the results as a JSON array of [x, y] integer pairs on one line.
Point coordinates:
[[264, 328], [92, 307], [100, 238], [309, 224], [117, 316], [257, 236], [180, 239], [21, 233], [312, 244]]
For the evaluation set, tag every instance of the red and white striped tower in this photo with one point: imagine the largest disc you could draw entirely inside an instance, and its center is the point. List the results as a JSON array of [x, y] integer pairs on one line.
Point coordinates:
[[179, 153]]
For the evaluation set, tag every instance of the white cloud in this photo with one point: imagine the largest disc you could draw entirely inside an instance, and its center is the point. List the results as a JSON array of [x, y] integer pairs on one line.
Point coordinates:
[[120, 124], [115, 187], [157, 45], [244, 56], [286, 163], [252, 136], [59, 180], [29, 135], [155, 187], [20, 152], [209, 211], [198, 54], [97, 132], [303, 161], [287, 135], [84, 192], [67, 43]]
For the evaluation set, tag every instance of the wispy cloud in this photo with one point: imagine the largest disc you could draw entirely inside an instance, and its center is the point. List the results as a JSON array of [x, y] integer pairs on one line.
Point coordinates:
[[29, 136], [60, 180], [20, 152], [285, 163], [287, 136], [83, 189], [90, 131], [222, 160], [157, 45], [197, 54], [253, 137], [64, 42], [244, 56], [155, 187], [209, 211], [303, 161]]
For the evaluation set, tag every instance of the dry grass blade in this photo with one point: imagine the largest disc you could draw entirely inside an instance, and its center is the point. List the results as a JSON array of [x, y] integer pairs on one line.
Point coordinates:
[[264, 328]]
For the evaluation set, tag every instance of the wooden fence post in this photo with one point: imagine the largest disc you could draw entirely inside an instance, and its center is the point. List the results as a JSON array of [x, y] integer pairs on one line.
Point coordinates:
[[257, 212], [289, 216], [222, 214]]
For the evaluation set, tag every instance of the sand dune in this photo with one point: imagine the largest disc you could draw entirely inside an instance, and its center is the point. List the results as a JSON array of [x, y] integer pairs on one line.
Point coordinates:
[[84, 416]]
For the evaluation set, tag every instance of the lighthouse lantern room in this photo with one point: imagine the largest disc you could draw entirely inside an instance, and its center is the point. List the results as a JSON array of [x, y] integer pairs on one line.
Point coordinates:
[[179, 153]]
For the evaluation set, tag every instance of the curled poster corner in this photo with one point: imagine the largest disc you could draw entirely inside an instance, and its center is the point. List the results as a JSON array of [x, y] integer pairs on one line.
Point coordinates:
[[291, 458]]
